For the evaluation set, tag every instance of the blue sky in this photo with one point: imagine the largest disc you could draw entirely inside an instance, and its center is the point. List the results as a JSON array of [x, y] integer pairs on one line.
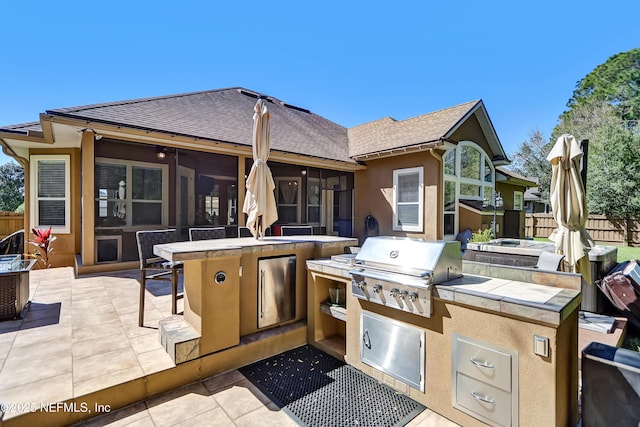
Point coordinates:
[[349, 61]]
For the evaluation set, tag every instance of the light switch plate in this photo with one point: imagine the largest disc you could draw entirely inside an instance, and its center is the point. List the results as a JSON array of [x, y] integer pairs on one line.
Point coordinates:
[[541, 345]]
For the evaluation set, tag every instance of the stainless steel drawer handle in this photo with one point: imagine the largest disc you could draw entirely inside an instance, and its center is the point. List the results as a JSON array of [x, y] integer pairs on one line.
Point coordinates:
[[481, 398], [482, 363]]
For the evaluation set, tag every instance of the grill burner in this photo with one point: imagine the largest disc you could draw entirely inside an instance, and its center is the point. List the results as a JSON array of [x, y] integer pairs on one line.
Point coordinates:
[[399, 272]]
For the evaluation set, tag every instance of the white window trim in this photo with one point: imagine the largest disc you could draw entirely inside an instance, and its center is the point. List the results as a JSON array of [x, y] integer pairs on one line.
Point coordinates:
[[165, 190], [397, 173], [33, 171]]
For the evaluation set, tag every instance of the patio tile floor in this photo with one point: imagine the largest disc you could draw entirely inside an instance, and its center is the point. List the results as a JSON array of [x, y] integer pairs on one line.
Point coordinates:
[[81, 335]]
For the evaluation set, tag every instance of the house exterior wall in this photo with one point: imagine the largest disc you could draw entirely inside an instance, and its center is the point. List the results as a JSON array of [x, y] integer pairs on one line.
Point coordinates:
[[507, 192], [66, 245], [472, 131], [473, 221], [374, 195]]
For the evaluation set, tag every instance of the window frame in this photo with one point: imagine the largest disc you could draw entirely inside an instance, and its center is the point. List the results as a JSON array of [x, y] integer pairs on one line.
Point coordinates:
[[420, 203], [297, 205], [482, 182], [35, 199], [518, 200], [164, 201], [320, 184]]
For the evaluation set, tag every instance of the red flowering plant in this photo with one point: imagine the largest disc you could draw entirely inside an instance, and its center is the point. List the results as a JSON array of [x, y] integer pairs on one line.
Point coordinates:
[[43, 240]]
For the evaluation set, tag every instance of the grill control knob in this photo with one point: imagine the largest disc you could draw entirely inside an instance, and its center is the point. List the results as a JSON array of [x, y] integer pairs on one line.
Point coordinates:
[[362, 285], [403, 294], [394, 292], [377, 289], [413, 296]]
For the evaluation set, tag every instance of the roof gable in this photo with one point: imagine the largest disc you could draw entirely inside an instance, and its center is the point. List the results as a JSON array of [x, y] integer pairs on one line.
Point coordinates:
[[387, 134]]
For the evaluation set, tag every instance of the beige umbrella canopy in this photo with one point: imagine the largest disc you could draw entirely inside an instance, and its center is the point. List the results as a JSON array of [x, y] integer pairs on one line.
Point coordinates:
[[259, 202], [569, 205]]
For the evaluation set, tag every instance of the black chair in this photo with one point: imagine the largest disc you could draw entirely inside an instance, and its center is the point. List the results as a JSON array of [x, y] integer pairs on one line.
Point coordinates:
[[207, 233], [296, 230], [244, 232], [153, 267], [13, 243], [549, 261]]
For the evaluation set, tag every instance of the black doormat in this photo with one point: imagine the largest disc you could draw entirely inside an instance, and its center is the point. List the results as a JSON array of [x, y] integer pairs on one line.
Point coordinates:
[[319, 390]]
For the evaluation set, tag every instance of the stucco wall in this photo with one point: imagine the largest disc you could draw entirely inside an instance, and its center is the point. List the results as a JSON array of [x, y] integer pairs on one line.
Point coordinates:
[[66, 245], [547, 386], [374, 194]]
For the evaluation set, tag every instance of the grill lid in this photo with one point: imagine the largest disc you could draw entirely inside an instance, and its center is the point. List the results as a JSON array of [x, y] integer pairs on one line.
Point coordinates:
[[442, 260]]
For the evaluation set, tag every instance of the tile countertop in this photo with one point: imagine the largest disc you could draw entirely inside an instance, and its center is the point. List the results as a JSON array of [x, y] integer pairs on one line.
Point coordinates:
[[185, 251], [541, 303]]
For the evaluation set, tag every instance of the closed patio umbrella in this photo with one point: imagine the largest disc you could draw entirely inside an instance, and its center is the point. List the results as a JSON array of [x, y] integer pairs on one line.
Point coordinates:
[[259, 202], [568, 201]]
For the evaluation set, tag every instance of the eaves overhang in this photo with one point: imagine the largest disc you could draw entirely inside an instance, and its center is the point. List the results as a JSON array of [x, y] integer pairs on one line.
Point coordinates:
[[120, 131], [414, 148]]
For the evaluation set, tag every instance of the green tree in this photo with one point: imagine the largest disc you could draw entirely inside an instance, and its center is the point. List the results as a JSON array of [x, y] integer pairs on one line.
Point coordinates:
[[613, 177], [530, 160], [617, 82], [605, 109], [613, 160], [11, 186]]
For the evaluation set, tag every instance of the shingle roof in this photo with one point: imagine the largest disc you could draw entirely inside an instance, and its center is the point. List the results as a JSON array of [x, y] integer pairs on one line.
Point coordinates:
[[226, 115], [521, 179], [223, 115], [388, 133], [23, 127]]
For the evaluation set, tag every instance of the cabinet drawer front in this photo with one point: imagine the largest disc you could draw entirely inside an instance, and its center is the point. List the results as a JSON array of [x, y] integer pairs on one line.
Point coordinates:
[[484, 364], [483, 401]]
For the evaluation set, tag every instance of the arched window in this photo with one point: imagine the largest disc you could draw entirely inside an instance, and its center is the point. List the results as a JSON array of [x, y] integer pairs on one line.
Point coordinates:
[[468, 177]]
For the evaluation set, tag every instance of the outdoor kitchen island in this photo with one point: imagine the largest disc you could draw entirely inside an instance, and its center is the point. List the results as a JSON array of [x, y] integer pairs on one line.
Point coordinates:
[[244, 298], [498, 346]]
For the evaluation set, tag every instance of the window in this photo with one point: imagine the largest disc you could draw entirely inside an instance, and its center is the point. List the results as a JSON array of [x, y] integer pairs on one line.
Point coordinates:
[[50, 192], [468, 175], [408, 199], [288, 199], [314, 201], [130, 194], [517, 200]]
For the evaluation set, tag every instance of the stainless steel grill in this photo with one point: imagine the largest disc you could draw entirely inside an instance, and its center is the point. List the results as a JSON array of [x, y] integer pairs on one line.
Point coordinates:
[[400, 272]]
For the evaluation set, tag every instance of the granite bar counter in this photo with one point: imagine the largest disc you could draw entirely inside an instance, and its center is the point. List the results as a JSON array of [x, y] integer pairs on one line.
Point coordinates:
[[201, 249], [239, 288]]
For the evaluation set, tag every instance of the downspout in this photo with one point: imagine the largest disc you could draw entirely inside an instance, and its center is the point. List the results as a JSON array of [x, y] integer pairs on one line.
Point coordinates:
[[440, 202]]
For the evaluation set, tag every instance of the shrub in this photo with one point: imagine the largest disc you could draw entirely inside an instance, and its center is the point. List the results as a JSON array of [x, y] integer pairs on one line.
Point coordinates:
[[481, 236]]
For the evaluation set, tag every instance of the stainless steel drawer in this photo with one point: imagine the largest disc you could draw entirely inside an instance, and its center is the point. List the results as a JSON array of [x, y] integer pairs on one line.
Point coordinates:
[[490, 404], [482, 363]]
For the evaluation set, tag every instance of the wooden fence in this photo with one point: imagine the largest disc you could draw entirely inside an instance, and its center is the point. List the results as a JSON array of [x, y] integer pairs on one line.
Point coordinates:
[[10, 222], [601, 228]]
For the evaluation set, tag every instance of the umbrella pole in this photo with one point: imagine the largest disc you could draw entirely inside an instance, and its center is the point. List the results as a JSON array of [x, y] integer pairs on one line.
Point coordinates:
[[584, 145], [258, 226]]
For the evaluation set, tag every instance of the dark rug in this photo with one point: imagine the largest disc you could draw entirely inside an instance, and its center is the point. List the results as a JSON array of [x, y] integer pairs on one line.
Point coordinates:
[[316, 389]]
